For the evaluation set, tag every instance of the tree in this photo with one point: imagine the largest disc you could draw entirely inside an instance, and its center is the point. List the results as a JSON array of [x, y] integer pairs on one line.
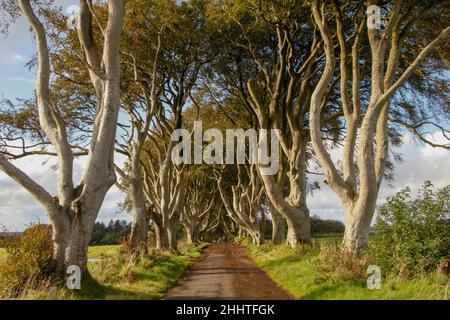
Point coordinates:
[[140, 102], [74, 210], [244, 204], [199, 215], [358, 185], [272, 68], [186, 50]]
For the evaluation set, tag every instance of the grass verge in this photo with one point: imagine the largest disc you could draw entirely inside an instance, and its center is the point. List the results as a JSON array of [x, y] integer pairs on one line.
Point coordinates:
[[295, 270], [112, 278]]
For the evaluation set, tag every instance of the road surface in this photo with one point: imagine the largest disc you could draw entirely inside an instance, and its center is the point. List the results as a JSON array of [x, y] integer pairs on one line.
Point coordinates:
[[225, 272]]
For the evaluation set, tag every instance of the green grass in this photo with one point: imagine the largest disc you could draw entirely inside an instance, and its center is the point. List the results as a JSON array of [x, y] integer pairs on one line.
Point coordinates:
[[97, 252], [112, 278], [294, 270]]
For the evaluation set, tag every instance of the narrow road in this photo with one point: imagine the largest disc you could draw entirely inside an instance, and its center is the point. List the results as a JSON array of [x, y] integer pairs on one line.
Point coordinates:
[[225, 272]]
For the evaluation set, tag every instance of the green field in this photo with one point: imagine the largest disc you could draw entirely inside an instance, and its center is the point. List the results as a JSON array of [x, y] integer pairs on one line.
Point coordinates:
[[98, 252], [295, 271]]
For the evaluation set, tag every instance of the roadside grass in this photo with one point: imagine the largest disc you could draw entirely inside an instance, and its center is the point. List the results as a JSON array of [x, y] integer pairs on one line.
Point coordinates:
[[294, 269], [113, 278]]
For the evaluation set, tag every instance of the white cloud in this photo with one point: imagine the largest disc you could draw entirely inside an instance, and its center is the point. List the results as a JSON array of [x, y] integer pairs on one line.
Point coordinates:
[[18, 208], [18, 57]]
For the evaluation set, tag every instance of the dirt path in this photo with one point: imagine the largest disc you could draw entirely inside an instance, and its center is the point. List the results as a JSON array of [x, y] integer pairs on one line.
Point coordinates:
[[225, 272]]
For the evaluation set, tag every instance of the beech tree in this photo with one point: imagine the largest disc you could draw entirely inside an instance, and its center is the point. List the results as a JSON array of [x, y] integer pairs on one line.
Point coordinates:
[[74, 209], [271, 69], [365, 151], [141, 88], [244, 203], [201, 212]]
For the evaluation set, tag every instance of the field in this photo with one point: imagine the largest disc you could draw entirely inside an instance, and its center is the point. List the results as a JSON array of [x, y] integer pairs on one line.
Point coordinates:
[[295, 271]]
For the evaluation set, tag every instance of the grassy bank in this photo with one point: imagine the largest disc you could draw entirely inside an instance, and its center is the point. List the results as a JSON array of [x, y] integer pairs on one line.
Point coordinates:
[[296, 271], [114, 277]]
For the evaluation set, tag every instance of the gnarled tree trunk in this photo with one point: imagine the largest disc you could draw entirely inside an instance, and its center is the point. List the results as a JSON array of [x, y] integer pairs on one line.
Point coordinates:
[[278, 226]]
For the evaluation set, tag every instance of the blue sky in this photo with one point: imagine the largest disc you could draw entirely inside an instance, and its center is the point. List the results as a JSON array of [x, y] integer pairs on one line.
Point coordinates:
[[18, 208]]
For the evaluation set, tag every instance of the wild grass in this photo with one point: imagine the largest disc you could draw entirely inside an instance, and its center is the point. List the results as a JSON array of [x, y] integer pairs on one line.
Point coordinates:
[[307, 275], [97, 252], [115, 277]]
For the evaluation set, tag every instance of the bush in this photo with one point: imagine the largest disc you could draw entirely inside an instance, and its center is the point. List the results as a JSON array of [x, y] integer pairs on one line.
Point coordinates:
[[29, 262], [413, 235], [335, 266]]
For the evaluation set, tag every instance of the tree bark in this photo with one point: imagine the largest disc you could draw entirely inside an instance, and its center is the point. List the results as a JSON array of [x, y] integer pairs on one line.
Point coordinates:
[[293, 208], [139, 232], [171, 231], [140, 222], [358, 217], [190, 236], [278, 226]]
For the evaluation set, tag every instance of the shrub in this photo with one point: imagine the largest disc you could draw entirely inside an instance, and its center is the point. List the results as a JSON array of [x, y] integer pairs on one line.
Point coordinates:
[[413, 235], [29, 262], [332, 264]]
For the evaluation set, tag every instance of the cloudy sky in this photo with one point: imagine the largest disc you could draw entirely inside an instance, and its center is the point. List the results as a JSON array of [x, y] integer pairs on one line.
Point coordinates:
[[18, 208]]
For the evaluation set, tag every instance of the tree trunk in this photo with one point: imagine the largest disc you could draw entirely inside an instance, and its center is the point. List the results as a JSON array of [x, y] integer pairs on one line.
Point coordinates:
[[257, 237], [191, 235], [299, 229], [278, 226], [162, 241], [139, 232], [139, 226], [171, 230], [297, 218], [294, 207], [358, 217], [140, 222], [77, 252], [61, 239]]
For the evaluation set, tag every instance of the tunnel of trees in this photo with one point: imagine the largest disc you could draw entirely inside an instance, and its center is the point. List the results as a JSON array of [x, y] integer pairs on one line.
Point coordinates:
[[124, 75]]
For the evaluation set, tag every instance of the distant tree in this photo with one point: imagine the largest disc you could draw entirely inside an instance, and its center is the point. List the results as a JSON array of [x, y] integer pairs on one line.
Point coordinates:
[[113, 233], [324, 226]]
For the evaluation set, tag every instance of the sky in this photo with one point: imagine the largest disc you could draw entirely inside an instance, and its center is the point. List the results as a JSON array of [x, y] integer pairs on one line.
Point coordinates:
[[18, 208]]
